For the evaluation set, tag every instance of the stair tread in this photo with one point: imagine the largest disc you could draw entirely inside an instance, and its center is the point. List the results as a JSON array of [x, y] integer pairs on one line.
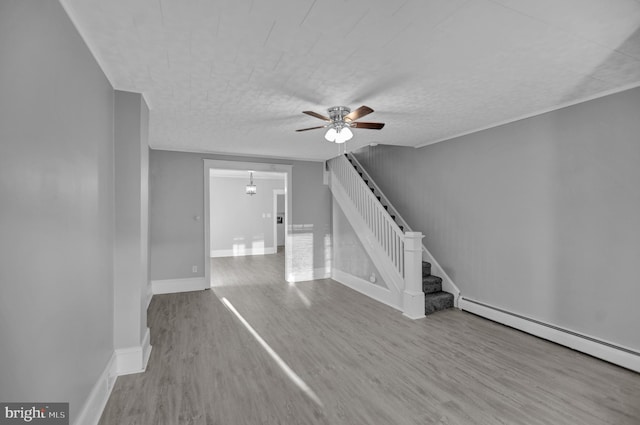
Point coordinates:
[[437, 301], [430, 288], [438, 295], [426, 269], [431, 279]]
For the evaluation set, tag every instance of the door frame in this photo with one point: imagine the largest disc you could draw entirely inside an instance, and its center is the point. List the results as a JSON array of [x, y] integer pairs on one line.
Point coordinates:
[[276, 193]]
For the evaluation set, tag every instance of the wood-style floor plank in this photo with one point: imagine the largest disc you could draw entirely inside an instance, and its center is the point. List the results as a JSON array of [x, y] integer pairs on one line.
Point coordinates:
[[366, 363]]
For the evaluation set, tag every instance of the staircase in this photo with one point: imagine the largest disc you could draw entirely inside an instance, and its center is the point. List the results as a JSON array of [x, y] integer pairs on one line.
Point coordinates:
[[435, 299]]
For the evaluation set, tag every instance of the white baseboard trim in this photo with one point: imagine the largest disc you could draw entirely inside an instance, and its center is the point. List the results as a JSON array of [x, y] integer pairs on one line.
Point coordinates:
[[146, 349], [613, 353], [378, 293], [93, 407], [133, 359], [170, 286], [413, 305], [122, 362], [317, 273], [215, 253]]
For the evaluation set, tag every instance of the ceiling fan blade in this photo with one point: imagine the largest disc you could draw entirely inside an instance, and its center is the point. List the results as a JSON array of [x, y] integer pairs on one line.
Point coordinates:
[[316, 115], [369, 125], [358, 113], [310, 128]]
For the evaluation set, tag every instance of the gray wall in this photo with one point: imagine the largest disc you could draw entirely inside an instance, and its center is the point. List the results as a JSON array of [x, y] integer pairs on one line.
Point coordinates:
[[540, 217], [56, 208], [131, 219], [177, 198], [240, 222]]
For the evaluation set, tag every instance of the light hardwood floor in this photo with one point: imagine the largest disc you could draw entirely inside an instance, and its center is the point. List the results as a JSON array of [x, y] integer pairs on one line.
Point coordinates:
[[366, 363]]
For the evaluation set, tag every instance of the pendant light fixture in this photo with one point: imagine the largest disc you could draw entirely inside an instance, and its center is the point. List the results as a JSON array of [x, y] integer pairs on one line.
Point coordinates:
[[250, 189]]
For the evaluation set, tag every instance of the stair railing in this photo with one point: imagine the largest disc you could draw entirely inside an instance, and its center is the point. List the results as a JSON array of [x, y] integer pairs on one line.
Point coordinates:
[[447, 283], [386, 231], [402, 224], [402, 250]]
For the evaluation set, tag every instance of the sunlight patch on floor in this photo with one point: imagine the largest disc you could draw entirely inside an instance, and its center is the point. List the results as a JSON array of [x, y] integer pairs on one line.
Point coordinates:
[[281, 363], [300, 294]]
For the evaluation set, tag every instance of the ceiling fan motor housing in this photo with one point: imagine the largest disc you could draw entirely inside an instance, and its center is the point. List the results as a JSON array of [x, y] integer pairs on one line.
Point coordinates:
[[337, 114], [341, 117]]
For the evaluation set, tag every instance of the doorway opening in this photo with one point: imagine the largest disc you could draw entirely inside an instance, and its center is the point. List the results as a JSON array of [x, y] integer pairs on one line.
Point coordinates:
[[239, 224]]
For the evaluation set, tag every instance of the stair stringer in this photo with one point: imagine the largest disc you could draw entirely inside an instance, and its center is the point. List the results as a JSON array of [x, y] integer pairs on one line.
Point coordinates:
[[393, 296], [447, 283]]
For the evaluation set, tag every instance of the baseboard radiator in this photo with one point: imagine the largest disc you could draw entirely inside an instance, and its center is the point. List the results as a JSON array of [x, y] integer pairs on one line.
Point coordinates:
[[604, 350]]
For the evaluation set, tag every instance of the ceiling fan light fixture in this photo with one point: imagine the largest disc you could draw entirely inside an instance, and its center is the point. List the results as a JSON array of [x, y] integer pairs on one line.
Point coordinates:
[[340, 119], [331, 135], [343, 135]]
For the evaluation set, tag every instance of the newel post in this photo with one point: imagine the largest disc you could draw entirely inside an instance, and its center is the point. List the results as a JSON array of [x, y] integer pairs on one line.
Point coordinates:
[[413, 297]]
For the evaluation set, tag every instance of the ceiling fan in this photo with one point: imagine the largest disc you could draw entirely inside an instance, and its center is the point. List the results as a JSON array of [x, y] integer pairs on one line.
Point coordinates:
[[341, 120]]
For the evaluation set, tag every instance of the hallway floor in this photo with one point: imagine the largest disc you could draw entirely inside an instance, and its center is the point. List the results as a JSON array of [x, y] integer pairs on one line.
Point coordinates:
[[319, 353]]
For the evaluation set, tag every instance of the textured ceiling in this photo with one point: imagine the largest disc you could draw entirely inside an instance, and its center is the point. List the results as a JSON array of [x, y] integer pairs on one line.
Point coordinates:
[[232, 76]]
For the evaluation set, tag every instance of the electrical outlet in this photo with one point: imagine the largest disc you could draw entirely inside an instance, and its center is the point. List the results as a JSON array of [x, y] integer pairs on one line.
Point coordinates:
[[194, 269]]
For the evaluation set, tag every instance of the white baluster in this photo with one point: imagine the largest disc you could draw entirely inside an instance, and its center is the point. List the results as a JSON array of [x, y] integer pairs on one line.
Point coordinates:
[[372, 212]]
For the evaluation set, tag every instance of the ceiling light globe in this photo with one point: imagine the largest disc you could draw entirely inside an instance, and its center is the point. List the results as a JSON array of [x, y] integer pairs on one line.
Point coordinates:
[[341, 137], [331, 135]]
